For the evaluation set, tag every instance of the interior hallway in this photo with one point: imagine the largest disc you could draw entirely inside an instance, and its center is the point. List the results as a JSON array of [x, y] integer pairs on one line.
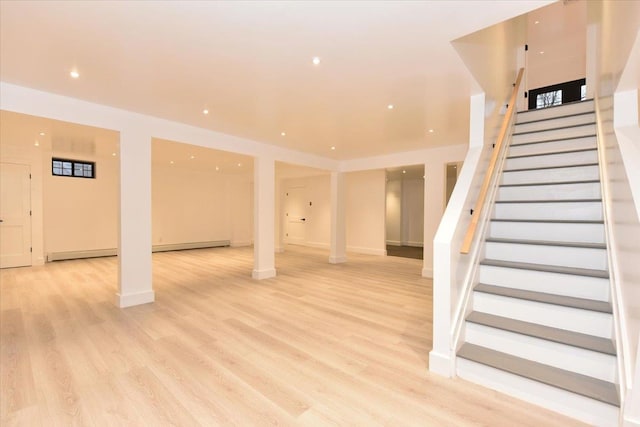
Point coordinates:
[[319, 344]]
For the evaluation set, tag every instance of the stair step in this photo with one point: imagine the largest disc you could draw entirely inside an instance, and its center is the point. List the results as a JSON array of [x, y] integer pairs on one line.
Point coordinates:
[[593, 388], [523, 144], [585, 245], [562, 336], [551, 201], [559, 117], [547, 268], [532, 184], [551, 231], [553, 128], [550, 167], [550, 221], [552, 112], [561, 132], [557, 175], [560, 157], [566, 301], [579, 150]]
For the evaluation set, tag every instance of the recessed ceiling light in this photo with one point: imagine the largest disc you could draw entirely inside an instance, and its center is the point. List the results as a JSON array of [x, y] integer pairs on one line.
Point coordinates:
[[171, 162], [542, 52], [316, 60], [430, 130], [390, 106], [113, 154], [283, 133], [192, 157], [333, 147], [404, 171], [37, 144], [217, 168], [424, 176], [537, 22], [239, 165], [205, 111], [74, 74], [42, 133]]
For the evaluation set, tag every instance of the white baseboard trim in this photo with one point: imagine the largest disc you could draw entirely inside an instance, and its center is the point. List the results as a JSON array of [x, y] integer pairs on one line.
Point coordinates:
[[264, 274], [192, 245], [440, 364], [240, 243], [394, 243], [316, 245], [337, 259], [427, 272], [91, 253], [414, 244], [129, 300], [96, 253], [366, 251]]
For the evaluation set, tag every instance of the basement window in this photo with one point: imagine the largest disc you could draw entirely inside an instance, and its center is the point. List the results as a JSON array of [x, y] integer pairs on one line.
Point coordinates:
[[73, 168], [549, 99]]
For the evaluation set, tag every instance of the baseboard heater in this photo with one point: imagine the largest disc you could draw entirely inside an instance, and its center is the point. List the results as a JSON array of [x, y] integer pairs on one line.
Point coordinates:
[[96, 253]]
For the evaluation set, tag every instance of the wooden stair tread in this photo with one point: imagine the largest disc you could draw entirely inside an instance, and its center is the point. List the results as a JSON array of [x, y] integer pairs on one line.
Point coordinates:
[[552, 221], [552, 129], [584, 245], [534, 184], [575, 339], [577, 165], [552, 153], [593, 388], [546, 268]]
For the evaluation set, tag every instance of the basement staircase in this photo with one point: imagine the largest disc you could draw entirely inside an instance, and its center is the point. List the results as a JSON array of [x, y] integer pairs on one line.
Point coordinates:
[[539, 322]]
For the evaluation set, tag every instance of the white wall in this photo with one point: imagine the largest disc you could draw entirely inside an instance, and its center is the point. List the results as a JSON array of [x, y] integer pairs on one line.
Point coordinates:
[[413, 212], [614, 55], [318, 215], [394, 212], [365, 211], [81, 214]]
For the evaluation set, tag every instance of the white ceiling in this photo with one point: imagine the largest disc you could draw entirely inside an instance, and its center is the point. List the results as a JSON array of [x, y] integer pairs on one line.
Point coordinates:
[[249, 63]]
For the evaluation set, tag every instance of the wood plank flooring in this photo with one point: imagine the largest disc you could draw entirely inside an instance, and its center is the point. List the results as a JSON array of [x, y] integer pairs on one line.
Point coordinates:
[[321, 344]]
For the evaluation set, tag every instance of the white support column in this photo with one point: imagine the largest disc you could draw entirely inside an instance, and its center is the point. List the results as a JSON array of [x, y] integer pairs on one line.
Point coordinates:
[[134, 241], [279, 244], [263, 218], [338, 252]]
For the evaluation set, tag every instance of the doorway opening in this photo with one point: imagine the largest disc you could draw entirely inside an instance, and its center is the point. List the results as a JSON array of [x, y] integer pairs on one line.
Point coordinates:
[[404, 221]]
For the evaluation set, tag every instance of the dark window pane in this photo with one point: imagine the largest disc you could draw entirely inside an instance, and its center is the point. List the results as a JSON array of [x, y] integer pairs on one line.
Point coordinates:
[[77, 169], [57, 170]]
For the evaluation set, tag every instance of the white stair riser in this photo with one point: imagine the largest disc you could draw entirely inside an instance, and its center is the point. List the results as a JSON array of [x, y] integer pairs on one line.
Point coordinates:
[[573, 359], [551, 160], [594, 288], [578, 173], [556, 123], [556, 232], [547, 113], [550, 147], [551, 134], [559, 232], [589, 211], [573, 405], [548, 255], [572, 319], [583, 190]]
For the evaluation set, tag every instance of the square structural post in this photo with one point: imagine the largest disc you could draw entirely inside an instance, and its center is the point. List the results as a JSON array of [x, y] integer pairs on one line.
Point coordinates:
[[263, 218], [338, 219]]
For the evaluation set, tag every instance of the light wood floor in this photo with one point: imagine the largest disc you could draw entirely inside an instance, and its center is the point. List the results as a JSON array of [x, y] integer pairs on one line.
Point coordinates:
[[319, 345]]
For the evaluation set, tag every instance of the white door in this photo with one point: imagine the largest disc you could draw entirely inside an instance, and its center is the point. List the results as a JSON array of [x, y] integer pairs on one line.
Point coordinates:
[[295, 215], [15, 215]]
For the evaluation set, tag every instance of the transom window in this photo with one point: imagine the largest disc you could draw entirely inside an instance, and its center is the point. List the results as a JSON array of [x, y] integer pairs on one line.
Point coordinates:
[[74, 168]]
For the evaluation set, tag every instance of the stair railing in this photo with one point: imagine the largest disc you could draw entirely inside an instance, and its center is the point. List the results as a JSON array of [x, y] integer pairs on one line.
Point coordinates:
[[480, 214], [491, 172]]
